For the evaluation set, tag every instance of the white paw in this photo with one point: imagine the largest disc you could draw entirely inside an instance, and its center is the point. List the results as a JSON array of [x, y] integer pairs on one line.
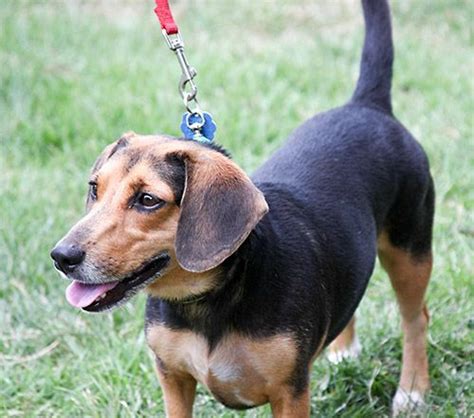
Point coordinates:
[[350, 352], [404, 402]]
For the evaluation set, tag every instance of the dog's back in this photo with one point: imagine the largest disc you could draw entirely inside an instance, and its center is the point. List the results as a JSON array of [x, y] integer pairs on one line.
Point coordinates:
[[360, 171]]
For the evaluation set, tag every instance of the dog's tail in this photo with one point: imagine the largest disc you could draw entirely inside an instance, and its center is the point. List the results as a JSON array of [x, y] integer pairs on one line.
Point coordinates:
[[375, 78]]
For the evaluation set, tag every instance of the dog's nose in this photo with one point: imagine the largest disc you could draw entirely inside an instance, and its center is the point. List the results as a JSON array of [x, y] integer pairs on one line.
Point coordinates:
[[67, 257]]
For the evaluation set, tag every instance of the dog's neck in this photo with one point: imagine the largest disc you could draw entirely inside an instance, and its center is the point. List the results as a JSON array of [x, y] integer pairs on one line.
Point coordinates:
[[255, 273], [216, 312]]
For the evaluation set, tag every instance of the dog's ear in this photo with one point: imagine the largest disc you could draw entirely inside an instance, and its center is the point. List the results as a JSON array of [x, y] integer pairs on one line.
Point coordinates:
[[219, 208]]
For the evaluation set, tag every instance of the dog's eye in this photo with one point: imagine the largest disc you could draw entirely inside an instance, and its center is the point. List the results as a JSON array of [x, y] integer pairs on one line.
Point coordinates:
[[149, 201], [93, 190]]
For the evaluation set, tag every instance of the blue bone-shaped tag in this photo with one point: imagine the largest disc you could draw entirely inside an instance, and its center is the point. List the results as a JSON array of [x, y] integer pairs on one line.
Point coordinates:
[[205, 133]]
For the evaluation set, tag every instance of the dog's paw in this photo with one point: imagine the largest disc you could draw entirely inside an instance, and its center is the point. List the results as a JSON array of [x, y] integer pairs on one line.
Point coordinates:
[[407, 402], [350, 352]]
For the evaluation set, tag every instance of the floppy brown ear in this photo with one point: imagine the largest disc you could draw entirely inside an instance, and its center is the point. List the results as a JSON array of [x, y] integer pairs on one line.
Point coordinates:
[[219, 208]]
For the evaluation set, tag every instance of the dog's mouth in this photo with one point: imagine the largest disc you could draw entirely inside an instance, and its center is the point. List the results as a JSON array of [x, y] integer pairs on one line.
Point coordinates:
[[104, 296]]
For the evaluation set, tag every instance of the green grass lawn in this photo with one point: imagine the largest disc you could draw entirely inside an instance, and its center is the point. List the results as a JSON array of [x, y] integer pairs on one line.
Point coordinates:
[[73, 78]]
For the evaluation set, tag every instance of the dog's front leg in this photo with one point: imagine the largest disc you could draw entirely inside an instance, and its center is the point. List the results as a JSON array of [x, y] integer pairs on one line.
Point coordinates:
[[178, 392], [285, 404]]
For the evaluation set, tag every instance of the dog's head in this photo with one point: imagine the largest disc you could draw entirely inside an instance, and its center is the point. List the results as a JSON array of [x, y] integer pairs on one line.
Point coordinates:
[[162, 214]]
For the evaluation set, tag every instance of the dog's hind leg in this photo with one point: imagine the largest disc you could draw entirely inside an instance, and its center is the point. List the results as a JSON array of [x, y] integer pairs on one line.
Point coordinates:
[[404, 249], [346, 344], [409, 276]]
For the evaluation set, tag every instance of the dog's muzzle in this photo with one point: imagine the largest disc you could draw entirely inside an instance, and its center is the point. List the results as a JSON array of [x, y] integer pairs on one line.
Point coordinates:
[[95, 295]]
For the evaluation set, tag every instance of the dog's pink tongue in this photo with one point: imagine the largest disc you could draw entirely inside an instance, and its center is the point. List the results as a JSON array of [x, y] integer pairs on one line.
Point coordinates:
[[81, 295]]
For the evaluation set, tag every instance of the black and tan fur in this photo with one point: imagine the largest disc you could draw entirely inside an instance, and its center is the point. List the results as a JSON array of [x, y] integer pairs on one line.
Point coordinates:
[[256, 276]]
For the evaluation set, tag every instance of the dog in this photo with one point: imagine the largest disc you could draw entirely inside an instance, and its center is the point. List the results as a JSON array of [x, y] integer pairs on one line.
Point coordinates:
[[249, 279]]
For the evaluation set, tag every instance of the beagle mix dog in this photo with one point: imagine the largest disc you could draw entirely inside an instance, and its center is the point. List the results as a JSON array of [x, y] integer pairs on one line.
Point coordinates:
[[249, 279]]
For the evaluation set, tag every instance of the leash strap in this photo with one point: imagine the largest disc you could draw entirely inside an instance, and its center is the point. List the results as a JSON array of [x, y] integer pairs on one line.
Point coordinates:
[[163, 12], [195, 124]]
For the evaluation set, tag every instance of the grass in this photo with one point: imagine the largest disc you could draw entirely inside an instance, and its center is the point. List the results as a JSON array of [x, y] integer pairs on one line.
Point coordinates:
[[74, 76]]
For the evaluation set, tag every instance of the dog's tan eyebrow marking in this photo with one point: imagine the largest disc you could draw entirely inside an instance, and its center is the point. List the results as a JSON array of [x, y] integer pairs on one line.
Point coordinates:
[[137, 183]]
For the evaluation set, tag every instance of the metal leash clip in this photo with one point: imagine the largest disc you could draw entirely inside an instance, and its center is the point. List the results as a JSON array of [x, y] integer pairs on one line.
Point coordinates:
[[196, 124], [176, 44]]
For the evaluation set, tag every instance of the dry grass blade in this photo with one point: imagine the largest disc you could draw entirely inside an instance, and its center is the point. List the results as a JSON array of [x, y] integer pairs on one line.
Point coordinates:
[[31, 357]]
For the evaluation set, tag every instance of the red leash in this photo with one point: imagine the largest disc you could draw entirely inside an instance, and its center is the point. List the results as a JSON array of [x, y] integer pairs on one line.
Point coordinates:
[[196, 124], [163, 12]]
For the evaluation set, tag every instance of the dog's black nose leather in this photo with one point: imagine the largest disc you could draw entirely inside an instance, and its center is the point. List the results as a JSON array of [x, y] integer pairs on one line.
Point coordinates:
[[67, 257]]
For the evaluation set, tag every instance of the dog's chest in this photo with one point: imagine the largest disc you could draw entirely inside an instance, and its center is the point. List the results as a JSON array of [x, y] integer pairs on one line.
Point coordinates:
[[239, 372]]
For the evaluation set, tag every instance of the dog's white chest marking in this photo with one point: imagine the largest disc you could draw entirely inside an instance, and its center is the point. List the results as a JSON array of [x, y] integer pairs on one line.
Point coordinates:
[[239, 370]]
